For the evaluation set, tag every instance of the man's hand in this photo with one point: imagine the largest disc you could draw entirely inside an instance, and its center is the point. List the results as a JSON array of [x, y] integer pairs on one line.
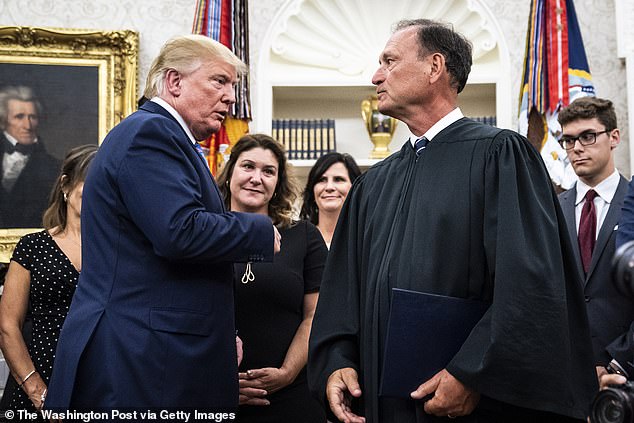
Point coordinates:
[[601, 371], [342, 385], [611, 379], [278, 240], [451, 397]]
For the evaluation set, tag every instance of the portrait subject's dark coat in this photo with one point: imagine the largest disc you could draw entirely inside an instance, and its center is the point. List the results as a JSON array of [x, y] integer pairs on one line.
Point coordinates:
[[474, 217], [24, 205]]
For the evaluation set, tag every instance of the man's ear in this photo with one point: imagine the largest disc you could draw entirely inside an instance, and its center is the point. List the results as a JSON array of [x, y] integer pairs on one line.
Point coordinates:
[[615, 138], [173, 81], [438, 68]]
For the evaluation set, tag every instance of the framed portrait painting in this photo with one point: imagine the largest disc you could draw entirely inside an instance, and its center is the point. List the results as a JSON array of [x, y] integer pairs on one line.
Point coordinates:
[[59, 88]]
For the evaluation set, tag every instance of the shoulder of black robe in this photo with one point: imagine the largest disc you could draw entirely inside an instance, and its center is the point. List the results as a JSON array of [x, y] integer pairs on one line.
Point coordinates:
[[532, 348], [481, 206]]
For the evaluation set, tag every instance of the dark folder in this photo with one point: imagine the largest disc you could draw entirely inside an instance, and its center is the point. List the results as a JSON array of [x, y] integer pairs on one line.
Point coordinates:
[[424, 332]]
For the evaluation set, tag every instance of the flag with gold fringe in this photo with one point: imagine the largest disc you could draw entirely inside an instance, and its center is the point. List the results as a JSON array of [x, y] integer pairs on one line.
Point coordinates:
[[226, 21], [556, 72]]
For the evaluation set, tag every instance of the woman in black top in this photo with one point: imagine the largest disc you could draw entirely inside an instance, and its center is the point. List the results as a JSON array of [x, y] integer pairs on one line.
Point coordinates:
[[44, 270], [275, 301]]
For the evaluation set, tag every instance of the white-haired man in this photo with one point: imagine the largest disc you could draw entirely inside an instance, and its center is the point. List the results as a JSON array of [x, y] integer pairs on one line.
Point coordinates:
[[152, 321]]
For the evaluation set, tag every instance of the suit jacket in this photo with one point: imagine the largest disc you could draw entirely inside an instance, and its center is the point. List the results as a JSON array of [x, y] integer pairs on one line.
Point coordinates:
[[23, 206], [609, 312], [626, 223], [152, 320]]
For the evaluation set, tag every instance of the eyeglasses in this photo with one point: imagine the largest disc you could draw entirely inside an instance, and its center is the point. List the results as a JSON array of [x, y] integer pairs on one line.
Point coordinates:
[[587, 138]]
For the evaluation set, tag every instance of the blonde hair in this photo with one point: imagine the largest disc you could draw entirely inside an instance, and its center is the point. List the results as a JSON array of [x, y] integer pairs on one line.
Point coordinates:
[[185, 54]]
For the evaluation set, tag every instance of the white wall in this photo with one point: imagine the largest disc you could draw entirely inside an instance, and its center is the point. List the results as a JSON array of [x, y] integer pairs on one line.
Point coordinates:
[[158, 20]]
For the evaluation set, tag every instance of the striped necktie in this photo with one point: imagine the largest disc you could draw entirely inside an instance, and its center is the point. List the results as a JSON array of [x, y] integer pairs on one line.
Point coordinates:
[[420, 145], [200, 151]]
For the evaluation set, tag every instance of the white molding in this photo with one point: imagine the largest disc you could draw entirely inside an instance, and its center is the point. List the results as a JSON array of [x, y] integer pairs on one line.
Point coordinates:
[[624, 12], [302, 48]]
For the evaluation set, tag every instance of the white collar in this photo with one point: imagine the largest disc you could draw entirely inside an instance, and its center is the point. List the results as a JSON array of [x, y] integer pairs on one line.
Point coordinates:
[[172, 111], [605, 189], [445, 121]]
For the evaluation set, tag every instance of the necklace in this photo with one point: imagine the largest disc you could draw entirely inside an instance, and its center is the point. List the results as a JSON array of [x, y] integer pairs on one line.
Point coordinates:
[[248, 275]]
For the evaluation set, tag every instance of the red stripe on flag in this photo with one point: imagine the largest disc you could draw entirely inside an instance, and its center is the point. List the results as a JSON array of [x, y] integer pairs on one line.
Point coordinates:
[[226, 19], [565, 99], [204, 30], [557, 55]]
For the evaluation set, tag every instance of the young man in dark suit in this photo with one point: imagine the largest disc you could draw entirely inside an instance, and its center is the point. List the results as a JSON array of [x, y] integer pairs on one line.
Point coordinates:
[[592, 208]]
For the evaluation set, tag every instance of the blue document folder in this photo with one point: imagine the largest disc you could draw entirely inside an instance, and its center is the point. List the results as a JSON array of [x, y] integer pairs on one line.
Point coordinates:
[[424, 332]]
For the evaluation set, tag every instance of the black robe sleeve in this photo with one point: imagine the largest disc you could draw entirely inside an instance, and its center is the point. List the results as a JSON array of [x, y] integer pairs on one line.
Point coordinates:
[[334, 341], [531, 348]]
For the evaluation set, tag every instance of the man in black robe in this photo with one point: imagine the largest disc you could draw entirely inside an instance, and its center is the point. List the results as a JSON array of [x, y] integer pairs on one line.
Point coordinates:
[[473, 215]]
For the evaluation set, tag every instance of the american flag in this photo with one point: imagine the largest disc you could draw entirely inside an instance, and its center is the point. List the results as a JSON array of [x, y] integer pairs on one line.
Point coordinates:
[[556, 72]]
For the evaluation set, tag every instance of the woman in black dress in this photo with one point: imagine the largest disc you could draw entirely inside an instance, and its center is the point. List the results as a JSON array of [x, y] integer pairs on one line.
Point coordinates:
[[44, 270], [275, 302]]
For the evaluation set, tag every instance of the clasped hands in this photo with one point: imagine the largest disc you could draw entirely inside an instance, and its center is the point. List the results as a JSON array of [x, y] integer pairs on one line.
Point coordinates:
[[256, 384], [450, 397]]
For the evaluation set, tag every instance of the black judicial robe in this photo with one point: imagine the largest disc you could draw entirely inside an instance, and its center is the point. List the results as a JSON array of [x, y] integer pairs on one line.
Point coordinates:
[[474, 217]]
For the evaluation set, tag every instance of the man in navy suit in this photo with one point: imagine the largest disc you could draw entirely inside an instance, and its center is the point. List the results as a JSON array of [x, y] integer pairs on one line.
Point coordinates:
[[151, 325], [590, 135]]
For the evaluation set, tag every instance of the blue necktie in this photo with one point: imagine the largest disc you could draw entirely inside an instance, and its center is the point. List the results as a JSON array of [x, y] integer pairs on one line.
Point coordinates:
[[200, 151], [420, 145]]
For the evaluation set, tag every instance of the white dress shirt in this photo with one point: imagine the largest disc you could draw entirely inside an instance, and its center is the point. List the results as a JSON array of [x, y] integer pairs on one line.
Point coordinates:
[[605, 193]]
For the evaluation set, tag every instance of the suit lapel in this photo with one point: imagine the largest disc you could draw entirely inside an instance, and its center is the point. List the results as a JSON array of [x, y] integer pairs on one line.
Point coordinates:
[[152, 107], [568, 208], [607, 228]]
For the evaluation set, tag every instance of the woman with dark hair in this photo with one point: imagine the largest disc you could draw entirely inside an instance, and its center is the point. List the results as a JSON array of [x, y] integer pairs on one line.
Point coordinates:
[[275, 302], [326, 190], [44, 270]]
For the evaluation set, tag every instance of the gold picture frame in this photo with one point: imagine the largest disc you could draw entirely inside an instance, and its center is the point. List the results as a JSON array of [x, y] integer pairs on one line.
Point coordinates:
[[89, 65]]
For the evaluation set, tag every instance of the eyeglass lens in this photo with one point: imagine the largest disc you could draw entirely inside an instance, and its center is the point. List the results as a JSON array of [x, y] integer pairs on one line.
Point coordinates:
[[587, 138]]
